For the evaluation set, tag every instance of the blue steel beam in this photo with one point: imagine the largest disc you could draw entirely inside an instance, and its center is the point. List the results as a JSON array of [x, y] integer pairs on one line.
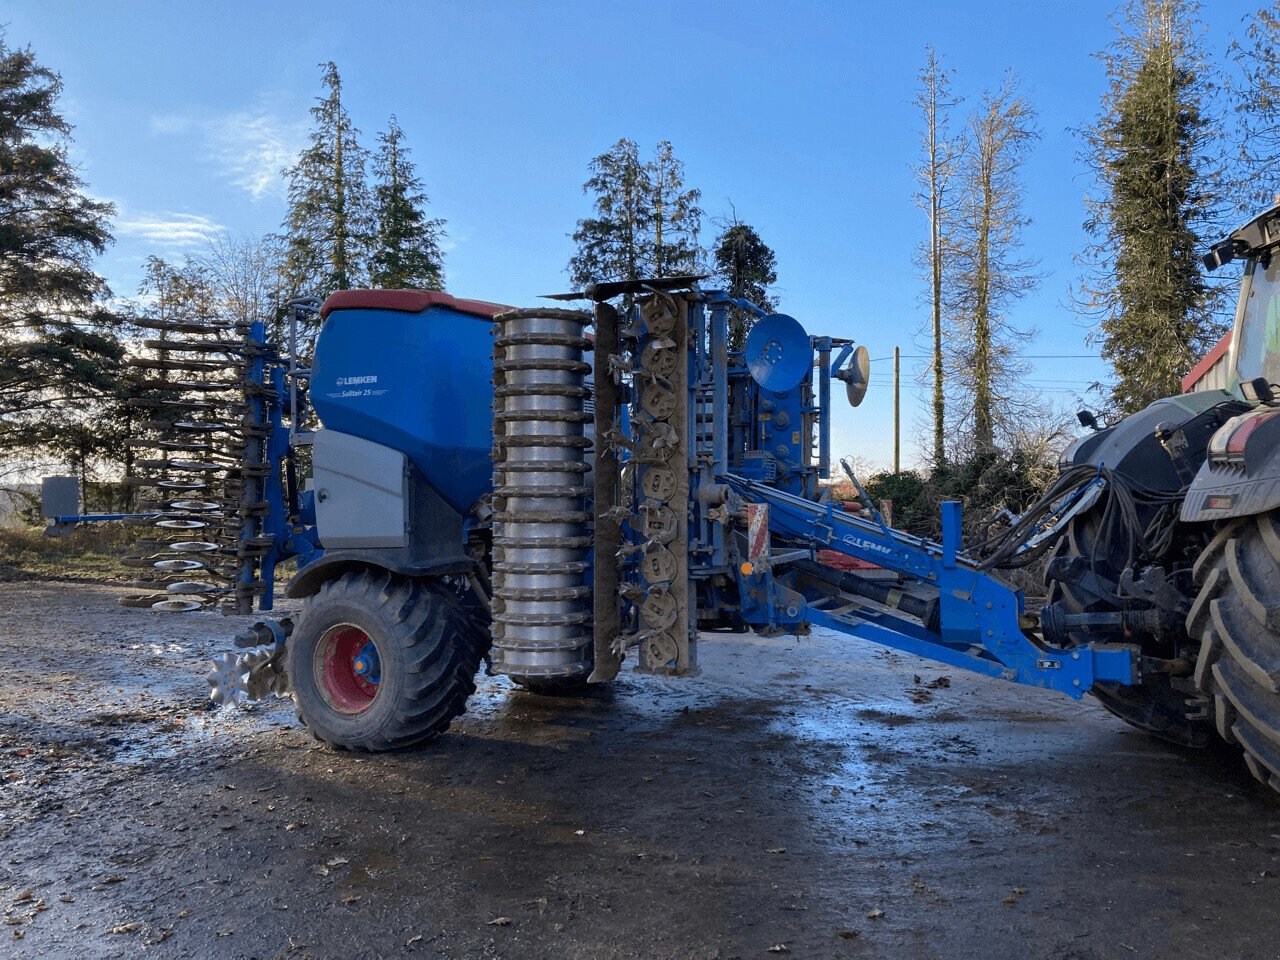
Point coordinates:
[[979, 610], [96, 517]]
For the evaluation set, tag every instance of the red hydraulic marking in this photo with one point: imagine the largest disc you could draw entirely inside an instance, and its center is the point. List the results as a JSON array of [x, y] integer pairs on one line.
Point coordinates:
[[757, 531], [346, 691]]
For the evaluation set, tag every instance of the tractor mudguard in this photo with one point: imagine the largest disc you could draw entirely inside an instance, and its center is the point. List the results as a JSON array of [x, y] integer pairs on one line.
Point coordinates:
[[334, 563], [1241, 476], [1132, 449]]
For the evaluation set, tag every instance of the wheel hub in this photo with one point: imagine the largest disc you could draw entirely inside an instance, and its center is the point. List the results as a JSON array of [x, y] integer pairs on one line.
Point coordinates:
[[347, 669]]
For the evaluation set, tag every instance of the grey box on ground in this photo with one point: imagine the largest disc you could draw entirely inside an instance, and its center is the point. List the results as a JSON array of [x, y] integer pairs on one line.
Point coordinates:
[[60, 496]]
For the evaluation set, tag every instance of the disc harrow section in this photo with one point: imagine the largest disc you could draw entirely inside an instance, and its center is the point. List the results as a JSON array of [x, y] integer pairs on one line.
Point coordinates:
[[197, 459], [541, 542], [655, 575]]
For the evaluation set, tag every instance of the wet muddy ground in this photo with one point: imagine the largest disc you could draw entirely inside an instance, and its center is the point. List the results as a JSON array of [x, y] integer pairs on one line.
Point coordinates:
[[804, 797]]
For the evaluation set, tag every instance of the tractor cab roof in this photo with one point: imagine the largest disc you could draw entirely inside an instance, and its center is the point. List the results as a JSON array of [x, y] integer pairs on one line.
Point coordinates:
[[1262, 231]]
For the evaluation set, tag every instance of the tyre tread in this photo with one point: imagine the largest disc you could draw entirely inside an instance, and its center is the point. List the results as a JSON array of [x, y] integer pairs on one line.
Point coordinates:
[[1234, 617], [443, 648]]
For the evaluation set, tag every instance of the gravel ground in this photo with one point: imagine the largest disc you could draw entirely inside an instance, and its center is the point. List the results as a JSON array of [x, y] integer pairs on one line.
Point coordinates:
[[808, 797]]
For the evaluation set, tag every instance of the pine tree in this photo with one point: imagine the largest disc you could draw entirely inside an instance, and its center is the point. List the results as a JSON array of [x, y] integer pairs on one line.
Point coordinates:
[[407, 245], [646, 222], [936, 172], [990, 276], [609, 245], [1155, 205], [1256, 100], [746, 266], [329, 226], [59, 352], [676, 217]]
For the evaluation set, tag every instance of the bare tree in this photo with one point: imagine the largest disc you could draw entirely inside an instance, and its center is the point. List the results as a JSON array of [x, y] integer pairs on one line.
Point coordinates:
[[990, 274], [935, 173], [1255, 97], [247, 279]]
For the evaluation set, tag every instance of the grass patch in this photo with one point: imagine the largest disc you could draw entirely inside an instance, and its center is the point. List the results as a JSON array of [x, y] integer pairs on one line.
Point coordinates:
[[89, 554]]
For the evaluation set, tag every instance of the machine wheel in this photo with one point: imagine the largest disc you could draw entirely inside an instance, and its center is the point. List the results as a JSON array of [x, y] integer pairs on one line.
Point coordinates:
[[1237, 618], [378, 662], [1153, 706]]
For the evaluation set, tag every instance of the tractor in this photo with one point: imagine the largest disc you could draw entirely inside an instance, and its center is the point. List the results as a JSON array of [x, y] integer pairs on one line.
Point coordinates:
[[1182, 553], [551, 492]]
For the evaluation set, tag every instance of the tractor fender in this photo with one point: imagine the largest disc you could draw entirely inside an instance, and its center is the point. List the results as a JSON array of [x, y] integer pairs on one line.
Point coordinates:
[[1132, 449], [334, 563], [1241, 475]]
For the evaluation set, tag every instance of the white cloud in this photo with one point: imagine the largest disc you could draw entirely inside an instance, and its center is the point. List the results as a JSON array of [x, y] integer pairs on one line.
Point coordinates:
[[249, 147], [171, 229], [254, 149]]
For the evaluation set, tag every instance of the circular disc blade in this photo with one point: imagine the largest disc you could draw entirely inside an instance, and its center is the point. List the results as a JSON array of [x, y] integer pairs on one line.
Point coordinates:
[[177, 606], [857, 375], [193, 546], [193, 505], [178, 565], [778, 352]]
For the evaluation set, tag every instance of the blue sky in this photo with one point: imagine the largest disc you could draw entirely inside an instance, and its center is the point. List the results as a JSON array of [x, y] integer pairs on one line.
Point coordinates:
[[798, 114]]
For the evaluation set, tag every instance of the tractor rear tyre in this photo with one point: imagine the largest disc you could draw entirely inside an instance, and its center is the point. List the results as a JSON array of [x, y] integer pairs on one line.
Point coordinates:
[[379, 662], [1154, 706], [1236, 616]]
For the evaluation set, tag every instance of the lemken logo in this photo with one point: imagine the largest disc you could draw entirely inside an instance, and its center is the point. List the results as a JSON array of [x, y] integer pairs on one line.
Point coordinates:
[[356, 381], [866, 544]]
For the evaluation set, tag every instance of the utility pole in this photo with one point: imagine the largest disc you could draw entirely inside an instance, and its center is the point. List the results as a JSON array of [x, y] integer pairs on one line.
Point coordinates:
[[897, 411]]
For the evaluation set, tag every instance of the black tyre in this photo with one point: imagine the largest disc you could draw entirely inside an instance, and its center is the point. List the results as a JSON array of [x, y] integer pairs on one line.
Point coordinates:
[[1155, 706], [1236, 616], [378, 662]]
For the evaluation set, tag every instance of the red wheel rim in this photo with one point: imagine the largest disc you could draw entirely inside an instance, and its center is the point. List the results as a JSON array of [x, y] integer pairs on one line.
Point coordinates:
[[343, 688]]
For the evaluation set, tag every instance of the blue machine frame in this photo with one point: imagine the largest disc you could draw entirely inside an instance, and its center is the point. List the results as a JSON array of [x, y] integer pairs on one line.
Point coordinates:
[[980, 614], [750, 449], [982, 622]]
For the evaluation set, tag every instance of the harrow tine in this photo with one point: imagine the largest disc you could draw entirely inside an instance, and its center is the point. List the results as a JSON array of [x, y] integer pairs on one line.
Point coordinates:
[[196, 346], [212, 418], [185, 385], [168, 363], [183, 326]]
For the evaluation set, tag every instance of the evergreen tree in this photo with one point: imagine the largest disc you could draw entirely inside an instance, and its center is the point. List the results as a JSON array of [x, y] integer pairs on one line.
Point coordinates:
[[746, 266], [59, 353], [935, 173], [407, 245], [677, 220], [646, 222], [609, 245], [1155, 205], [990, 276], [329, 226], [1256, 100]]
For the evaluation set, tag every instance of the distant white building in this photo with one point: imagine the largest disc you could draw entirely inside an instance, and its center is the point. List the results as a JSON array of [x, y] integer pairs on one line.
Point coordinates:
[[1213, 372]]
